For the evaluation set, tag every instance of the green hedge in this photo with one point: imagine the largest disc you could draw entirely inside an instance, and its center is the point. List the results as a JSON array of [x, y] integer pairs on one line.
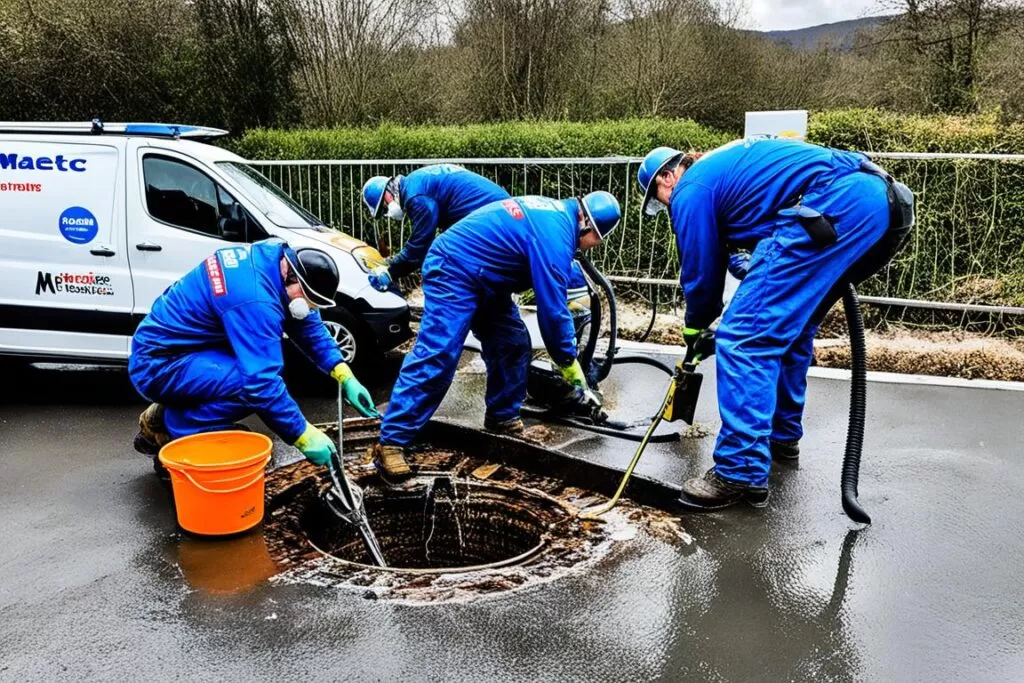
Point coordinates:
[[968, 244], [548, 139], [873, 130]]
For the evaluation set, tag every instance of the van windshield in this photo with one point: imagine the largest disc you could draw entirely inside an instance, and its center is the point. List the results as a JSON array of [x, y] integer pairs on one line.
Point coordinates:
[[278, 207]]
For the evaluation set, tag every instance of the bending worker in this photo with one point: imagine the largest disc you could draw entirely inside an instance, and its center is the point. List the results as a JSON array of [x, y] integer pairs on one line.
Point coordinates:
[[434, 198], [814, 219], [469, 276], [209, 352]]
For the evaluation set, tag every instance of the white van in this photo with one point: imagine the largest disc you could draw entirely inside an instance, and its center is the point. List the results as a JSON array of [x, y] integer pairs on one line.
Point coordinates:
[[97, 220]]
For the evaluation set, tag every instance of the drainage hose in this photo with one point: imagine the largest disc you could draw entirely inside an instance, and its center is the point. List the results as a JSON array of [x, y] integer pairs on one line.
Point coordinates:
[[654, 314], [604, 366], [858, 399], [645, 360]]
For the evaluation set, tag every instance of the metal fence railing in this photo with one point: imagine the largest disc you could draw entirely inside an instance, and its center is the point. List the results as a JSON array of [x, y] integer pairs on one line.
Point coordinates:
[[967, 245]]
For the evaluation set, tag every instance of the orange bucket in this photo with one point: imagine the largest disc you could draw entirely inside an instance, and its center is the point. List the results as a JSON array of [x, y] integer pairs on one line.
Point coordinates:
[[218, 480]]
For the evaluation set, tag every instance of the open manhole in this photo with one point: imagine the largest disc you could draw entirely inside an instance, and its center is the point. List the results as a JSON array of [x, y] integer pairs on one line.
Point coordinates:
[[438, 523], [480, 516]]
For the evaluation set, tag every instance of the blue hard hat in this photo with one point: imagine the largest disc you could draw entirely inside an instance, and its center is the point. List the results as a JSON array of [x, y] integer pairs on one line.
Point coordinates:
[[602, 211], [373, 194], [657, 160]]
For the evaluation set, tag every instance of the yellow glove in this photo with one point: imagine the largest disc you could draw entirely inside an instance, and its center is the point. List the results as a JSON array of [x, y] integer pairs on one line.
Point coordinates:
[[573, 374], [342, 372], [355, 393], [315, 445], [583, 394]]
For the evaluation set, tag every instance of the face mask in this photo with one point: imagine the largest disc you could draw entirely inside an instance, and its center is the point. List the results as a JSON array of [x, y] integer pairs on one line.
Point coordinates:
[[654, 207], [299, 308], [395, 212]]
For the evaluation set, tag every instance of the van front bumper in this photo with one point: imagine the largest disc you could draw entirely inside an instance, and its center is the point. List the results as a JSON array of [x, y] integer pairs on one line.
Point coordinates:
[[390, 326]]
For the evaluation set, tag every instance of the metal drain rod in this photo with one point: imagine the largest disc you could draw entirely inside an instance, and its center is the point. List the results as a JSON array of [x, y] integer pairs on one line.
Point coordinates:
[[346, 500]]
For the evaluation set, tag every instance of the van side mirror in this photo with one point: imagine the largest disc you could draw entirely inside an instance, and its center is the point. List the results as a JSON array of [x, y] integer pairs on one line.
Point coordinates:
[[234, 223]]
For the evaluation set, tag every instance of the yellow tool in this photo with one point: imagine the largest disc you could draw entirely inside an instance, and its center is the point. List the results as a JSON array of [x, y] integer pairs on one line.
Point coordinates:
[[680, 403]]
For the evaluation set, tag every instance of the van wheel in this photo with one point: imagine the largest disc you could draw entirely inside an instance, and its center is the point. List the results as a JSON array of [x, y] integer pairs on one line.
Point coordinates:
[[355, 341]]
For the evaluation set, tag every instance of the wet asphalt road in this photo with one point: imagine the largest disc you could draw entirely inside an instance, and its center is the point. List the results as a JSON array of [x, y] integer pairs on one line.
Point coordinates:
[[96, 584]]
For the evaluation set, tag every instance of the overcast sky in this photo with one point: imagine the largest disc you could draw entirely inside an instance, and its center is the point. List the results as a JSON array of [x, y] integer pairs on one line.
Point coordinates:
[[772, 15]]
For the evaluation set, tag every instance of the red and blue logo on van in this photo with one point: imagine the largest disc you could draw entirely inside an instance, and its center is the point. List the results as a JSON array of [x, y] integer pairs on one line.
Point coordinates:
[[78, 225]]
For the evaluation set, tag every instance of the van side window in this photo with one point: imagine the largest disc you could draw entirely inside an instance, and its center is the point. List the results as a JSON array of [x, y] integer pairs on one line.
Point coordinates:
[[185, 197]]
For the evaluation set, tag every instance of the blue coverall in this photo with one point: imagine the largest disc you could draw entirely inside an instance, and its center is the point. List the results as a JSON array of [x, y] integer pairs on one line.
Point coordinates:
[[732, 198], [436, 197], [210, 348], [469, 276]]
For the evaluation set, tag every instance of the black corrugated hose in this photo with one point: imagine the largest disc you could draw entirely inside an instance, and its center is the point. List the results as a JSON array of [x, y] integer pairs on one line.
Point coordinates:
[[858, 405]]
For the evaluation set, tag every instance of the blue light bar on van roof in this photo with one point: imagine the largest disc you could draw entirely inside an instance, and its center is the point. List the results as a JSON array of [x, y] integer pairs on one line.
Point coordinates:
[[96, 127], [169, 130]]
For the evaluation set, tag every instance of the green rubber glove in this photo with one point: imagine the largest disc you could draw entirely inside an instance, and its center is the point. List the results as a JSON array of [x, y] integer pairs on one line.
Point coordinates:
[[699, 344], [355, 393], [573, 374], [316, 446]]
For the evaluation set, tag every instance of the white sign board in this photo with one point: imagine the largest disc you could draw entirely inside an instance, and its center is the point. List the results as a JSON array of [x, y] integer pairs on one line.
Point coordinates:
[[783, 124]]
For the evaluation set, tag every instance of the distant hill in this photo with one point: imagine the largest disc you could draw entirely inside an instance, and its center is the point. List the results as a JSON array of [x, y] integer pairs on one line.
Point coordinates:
[[840, 34]]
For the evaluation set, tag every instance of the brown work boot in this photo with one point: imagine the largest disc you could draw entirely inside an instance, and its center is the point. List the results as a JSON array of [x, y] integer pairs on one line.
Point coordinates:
[[153, 433], [390, 461], [712, 492], [784, 452], [512, 427]]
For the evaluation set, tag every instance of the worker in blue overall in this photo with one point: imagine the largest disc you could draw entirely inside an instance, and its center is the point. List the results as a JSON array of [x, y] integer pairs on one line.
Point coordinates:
[[433, 198], [813, 220], [209, 352], [469, 276]]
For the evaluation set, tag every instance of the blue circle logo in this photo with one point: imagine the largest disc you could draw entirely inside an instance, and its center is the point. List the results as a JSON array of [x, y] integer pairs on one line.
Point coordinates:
[[78, 225]]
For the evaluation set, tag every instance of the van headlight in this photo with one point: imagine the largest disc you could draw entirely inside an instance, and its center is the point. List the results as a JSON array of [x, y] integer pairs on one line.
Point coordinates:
[[368, 258]]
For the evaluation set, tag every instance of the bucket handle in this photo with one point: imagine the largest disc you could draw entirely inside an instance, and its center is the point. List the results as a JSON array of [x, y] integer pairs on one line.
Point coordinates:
[[259, 475]]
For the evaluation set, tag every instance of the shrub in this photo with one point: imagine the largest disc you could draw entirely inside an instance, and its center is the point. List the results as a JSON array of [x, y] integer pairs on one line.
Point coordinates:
[[968, 238], [629, 137]]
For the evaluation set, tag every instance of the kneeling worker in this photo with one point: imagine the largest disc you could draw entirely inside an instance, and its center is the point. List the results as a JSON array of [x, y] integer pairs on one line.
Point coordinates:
[[469, 276], [209, 352], [815, 219]]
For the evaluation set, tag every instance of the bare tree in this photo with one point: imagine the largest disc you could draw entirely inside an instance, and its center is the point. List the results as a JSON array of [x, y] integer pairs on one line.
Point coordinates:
[[951, 37], [521, 58], [246, 63], [343, 47]]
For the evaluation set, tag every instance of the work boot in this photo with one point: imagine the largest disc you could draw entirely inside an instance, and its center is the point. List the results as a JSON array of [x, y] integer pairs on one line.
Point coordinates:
[[390, 461], [785, 451], [512, 427], [153, 433], [712, 492]]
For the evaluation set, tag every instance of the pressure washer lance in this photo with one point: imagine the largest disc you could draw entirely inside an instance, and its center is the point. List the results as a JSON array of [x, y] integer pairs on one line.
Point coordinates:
[[346, 500], [680, 403]]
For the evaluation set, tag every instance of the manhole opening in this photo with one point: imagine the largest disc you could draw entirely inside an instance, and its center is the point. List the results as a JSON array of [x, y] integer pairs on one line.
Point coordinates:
[[441, 522], [470, 523]]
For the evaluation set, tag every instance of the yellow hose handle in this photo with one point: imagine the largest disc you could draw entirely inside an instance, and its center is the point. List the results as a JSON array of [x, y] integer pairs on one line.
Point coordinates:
[[596, 512]]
